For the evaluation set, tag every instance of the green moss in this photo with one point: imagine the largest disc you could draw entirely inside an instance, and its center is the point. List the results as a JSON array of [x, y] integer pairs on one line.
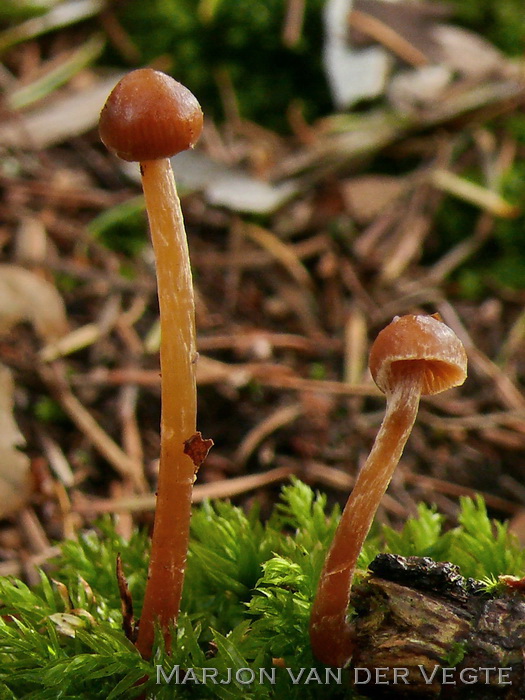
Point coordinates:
[[247, 599], [123, 227], [483, 549], [501, 260], [317, 370], [455, 655], [48, 410], [500, 22], [235, 43], [471, 285]]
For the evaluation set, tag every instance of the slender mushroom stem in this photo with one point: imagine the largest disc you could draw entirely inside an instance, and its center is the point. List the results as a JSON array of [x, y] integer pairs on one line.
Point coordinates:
[[412, 356], [330, 633], [179, 403], [147, 118]]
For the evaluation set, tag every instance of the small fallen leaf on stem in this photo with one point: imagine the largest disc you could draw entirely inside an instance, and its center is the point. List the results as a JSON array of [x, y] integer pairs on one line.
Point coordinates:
[[197, 449]]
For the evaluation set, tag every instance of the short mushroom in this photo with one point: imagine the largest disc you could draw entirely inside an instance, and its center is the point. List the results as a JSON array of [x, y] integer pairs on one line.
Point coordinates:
[[413, 356], [149, 117]]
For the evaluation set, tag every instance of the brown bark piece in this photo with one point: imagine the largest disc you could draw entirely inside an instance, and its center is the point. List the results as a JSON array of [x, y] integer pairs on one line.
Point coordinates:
[[423, 631]]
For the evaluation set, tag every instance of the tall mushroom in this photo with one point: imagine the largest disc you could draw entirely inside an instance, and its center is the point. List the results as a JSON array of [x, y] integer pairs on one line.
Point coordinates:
[[149, 117], [413, 356]]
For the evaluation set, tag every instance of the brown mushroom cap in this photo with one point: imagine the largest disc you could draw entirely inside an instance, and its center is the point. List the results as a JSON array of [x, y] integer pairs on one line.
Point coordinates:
[[149, 115], [418, 343]]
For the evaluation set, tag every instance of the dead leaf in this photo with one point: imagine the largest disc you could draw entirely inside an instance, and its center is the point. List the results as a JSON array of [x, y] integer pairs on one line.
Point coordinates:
[[410, 90], [469, 54], [415, 33], [26, 297], [63, 594], [68, 624], [514, 583], [45, 125], [352, 74], [405, 28], [197, 448], [224, 186], [126, 602], [14, 464], [368, 195]]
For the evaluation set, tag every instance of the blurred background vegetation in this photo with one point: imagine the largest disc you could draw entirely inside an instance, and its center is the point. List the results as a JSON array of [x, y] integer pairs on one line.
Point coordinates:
[[234, 56], [359, 213]]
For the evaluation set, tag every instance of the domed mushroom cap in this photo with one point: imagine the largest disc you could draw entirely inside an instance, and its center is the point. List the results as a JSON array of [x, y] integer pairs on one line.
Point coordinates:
[[412, 344], [149, 115]]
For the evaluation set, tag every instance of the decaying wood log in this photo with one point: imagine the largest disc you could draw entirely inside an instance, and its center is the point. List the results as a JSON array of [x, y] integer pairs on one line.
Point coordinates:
[[424, 631]]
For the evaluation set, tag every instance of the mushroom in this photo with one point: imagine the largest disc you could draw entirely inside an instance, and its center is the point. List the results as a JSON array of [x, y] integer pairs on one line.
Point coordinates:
[[149, 117], [413, 356]]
